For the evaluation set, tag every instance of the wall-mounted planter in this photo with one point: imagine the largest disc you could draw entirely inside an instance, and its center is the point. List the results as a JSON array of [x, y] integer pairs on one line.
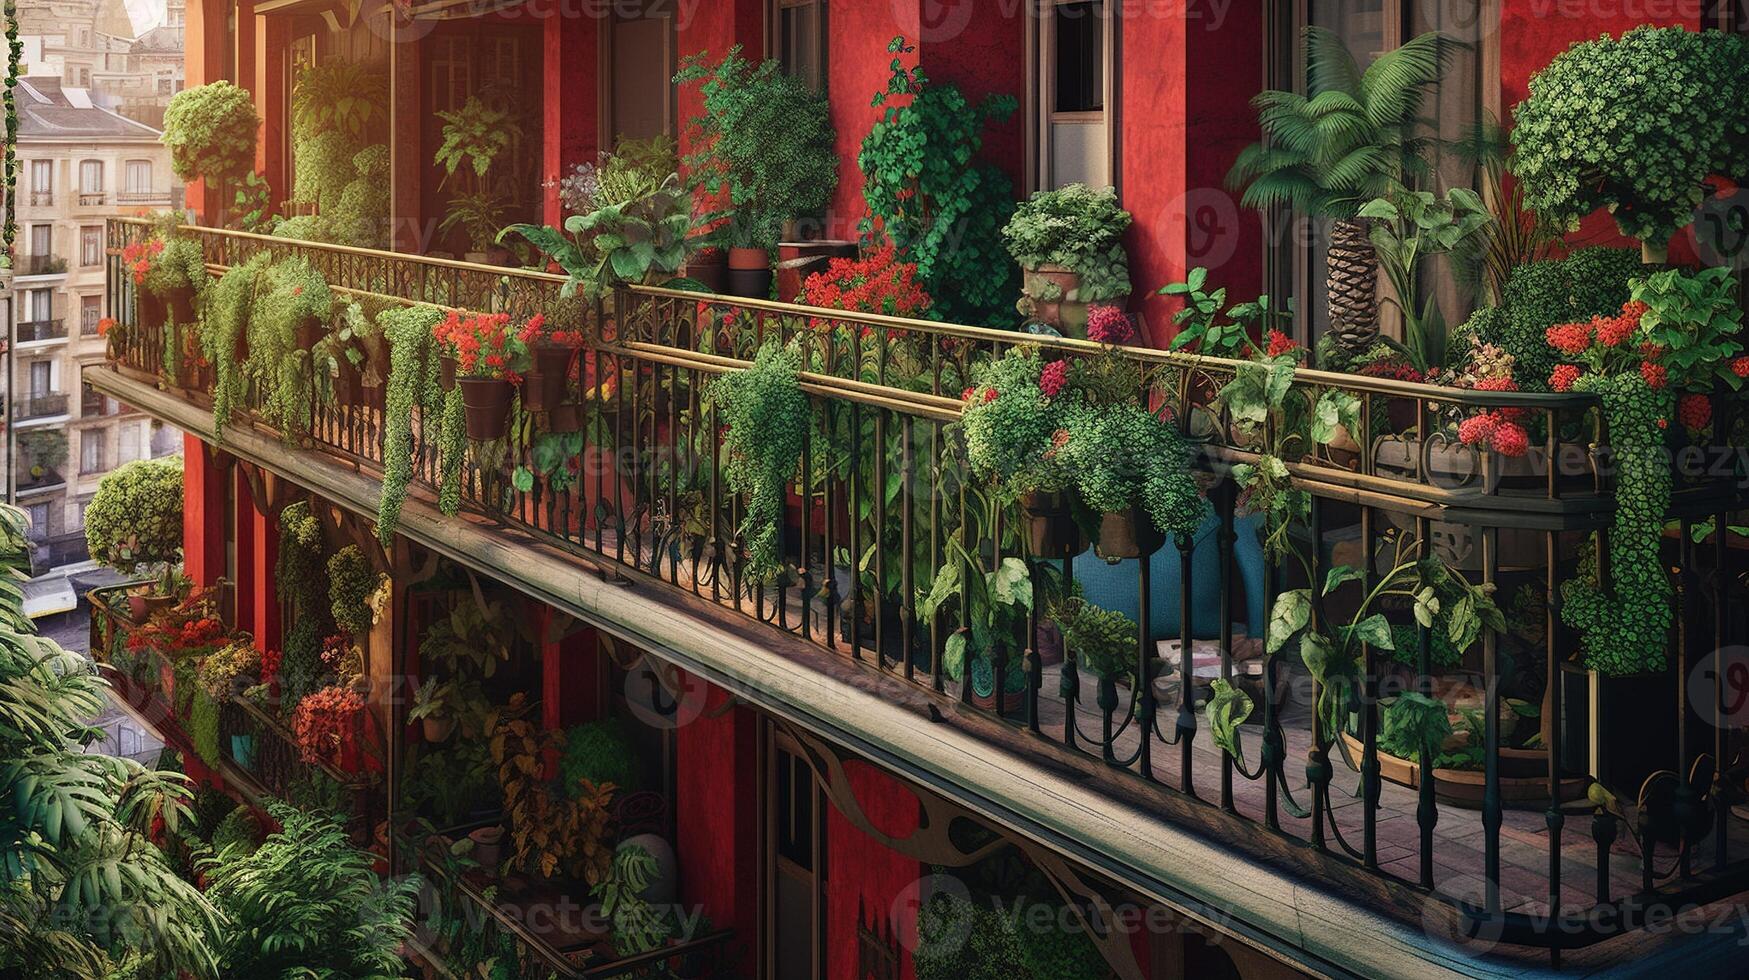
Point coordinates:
[[1052, 297], [486, 404], [1524, 778], [749, 273]]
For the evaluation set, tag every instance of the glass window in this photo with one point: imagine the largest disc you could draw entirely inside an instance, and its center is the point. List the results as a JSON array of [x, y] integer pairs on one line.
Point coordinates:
[[1077, 44], [129, 439], [91, 245], [42, 239], [801, 39], [41, 379], [138, 177], [90, 311], [91, 451], [91, 176], [40, 304], [39, 520], [42, 176]]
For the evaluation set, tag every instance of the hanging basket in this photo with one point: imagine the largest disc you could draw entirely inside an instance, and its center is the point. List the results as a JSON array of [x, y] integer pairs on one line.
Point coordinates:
[[1128, 533], [1050, 525], [486, 404], [545, 387]]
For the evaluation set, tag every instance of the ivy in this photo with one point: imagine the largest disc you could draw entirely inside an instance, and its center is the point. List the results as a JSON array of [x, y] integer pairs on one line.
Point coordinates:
[[226, 315], [926, 192], [412, 384], [767, 417], [452, 450]]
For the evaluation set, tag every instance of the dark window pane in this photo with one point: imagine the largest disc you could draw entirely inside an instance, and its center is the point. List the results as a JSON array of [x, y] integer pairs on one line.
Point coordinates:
[[1079, 30]]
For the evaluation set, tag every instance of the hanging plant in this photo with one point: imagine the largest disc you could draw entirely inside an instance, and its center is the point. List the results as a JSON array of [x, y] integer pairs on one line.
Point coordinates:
[[352, 584], [298, 577], [413, 383], [291, 310], [766, 417], [226, 318]]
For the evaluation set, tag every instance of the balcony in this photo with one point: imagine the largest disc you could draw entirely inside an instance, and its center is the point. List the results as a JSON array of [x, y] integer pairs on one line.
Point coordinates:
[[144, 199], [636, 493], [40, 479], [35, 331], [37, 407], [42, 199], [42, 265]]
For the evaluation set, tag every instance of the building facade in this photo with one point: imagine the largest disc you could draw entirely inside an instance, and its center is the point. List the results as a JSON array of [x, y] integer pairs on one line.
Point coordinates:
[[80, 164], [817, 773]]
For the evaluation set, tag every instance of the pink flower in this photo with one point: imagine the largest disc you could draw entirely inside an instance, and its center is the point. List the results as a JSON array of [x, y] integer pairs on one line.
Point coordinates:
[[1109, 325], [1052, 378]]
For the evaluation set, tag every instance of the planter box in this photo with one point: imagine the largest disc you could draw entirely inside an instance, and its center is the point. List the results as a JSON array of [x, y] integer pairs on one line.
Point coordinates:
[[1524, 781]]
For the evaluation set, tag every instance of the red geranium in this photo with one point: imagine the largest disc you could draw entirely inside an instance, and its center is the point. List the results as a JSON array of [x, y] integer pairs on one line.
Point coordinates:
[[878, 283]]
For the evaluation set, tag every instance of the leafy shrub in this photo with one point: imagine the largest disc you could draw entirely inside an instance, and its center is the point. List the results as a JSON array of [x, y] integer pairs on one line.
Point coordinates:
[[210, 130], [1634, 124], [1125, 455], [237, 835], [766, 416], [599, 752], [1009, 436], [765, 141], [1076, 227], [135, 518], [942, 210], [351, 583], [1538, 295], [1102, 640]]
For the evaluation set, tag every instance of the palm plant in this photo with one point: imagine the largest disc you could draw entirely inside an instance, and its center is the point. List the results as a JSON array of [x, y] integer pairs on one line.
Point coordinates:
[[1347, 140], [308, 904], [78, 878]]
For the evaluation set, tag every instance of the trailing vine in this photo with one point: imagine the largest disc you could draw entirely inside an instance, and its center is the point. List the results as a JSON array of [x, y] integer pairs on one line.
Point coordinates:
[[14, 55], [290, 296], [767, 419], [298, 575], [226, 316], [413, 382], [452, 448]]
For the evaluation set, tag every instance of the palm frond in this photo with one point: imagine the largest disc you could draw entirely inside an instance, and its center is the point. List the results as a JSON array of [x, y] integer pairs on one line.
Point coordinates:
[[1397, 81], [1330, 66]]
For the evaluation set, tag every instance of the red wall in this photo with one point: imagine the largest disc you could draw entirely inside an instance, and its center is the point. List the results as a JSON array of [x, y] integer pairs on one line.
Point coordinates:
[[864, 877], [203, 511], [981, 47], [717, 820], [570, 68], [858, 66], [1186, 90]]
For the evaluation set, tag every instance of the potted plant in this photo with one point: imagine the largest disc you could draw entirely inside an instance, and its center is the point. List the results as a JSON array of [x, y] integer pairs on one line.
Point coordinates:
[[1069, 244], [474, 137], [490, 358], [488, 844], [211, 132], [645, 238], [766, 145], [228, 671], [134, 524], [434, 704], [877, 282], [766, 416], [552, 350], [1341, 144], [1637, 125], [1011, 419], [327, 727], [995, 606], [358, 351]]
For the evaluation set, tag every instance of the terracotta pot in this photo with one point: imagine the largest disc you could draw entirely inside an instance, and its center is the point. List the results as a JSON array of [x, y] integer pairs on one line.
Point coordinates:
[[488, 845], [446, 368], [141, 607], [565, 417], [1065, 313], [1127, 534], [1051, 528], [179, 305], [749, 273], [1524, 780], [436, 730], [544, 388], [487, 407], [1011, 701], [710, 270], [348, 384]]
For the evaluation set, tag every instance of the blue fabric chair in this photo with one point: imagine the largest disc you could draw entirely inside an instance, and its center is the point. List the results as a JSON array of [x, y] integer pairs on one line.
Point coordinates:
[[1114, 586]]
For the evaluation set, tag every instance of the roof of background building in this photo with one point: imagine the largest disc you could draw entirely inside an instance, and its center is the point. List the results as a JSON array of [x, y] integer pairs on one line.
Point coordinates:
[[48, 111], [163, 38]]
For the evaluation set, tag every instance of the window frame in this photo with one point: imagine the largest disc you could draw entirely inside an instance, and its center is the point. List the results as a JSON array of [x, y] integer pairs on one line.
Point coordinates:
[[821, 40], [90, 245], [1041, 93], [91, 444], [88, 167], [128, 170]]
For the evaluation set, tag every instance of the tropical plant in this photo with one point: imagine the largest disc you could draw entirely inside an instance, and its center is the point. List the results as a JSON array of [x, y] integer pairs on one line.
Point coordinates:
[[926, 194], [291, 300], [210, 130], [237, 835], [1637, 125], [764, 141], [82, 876], [766, 417], [1202, 322], [1346, 141], [352, 584], [1407, 228], [1078, 228], [474, 137], [643, 239], [549, 831], [451, 782], [307, 903], [134, 521], [994, 605], [638, 926]]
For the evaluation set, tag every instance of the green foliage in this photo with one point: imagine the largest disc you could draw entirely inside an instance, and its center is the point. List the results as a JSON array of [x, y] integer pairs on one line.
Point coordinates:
[[210, 130], [45, 448], [600, 752], [1124, 455], [644, 239], [1407, 228], [81, 877], [474, 137], [238, 834], [1350, 137], [283, 368], [351, 583], [1076, 227], [1694, 318], [1102, 640], [135, 518], [1625, 628], [927, 193], [765, 141], [1414, 723], [203, 726], [181, 265], [767, 417], [994, 605], [1634, 124], [298, 580], [958, 939], [413, 383], [452, 782], [1202, 322], [452, 448], [307, 904], [1008, 438], [224, 320], [1538, 295], [638, 926], [1227, 709]]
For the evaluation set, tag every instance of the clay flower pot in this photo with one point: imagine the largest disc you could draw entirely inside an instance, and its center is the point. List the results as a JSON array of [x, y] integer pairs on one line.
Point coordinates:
[[486, 404], [1127, 534], [488, 845], [436, 730], [446, 367], [544, 388], [709, 268], [1051, 528], [749, 273]]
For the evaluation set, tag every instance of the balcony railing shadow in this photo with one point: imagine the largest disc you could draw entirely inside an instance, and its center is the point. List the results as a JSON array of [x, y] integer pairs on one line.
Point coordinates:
[[1507, 837]]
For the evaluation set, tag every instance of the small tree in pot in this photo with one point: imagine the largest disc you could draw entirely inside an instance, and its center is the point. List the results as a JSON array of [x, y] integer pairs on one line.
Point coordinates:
[[134, 524], [1069, 243]]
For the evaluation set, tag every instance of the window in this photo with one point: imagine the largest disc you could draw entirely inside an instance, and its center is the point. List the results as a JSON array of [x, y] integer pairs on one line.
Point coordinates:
[[137, 178], [39, 520], [91, 176], [164, 86], [800, 41], [91, 245], [91, 451], [1075, 133], [90, 311], [42, 239], [39, 304], [129, 439], [41, 379], [42, 177]]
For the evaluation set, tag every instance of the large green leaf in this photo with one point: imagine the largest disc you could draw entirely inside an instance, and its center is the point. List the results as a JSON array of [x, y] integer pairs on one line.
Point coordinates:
[[1227, 709]]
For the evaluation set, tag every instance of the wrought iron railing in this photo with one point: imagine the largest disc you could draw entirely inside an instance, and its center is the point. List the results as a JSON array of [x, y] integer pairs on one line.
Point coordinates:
[[42, 265], [35, 406], [884, 489], [30, 331]]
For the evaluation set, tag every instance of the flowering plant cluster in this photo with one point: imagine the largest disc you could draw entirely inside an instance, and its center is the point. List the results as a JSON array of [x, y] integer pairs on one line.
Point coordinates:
[[138, 256], [177, 635], [483, 344], [1109, 325], [343, 659], [1490, 368], [537, 331], [876, 283], [325, 723], [228, 671]]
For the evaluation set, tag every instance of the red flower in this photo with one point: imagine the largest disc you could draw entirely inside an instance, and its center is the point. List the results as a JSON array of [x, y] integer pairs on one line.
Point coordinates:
[[1279, 344], [1564, 376], [966, 395], [1109, 325], [1509, 439], [1695, 411], [1663, 423], [1570, 338], [1476, 429], [990, 395], [1655, 375], [1052, 378], [1740, 367], [1615, 331]]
